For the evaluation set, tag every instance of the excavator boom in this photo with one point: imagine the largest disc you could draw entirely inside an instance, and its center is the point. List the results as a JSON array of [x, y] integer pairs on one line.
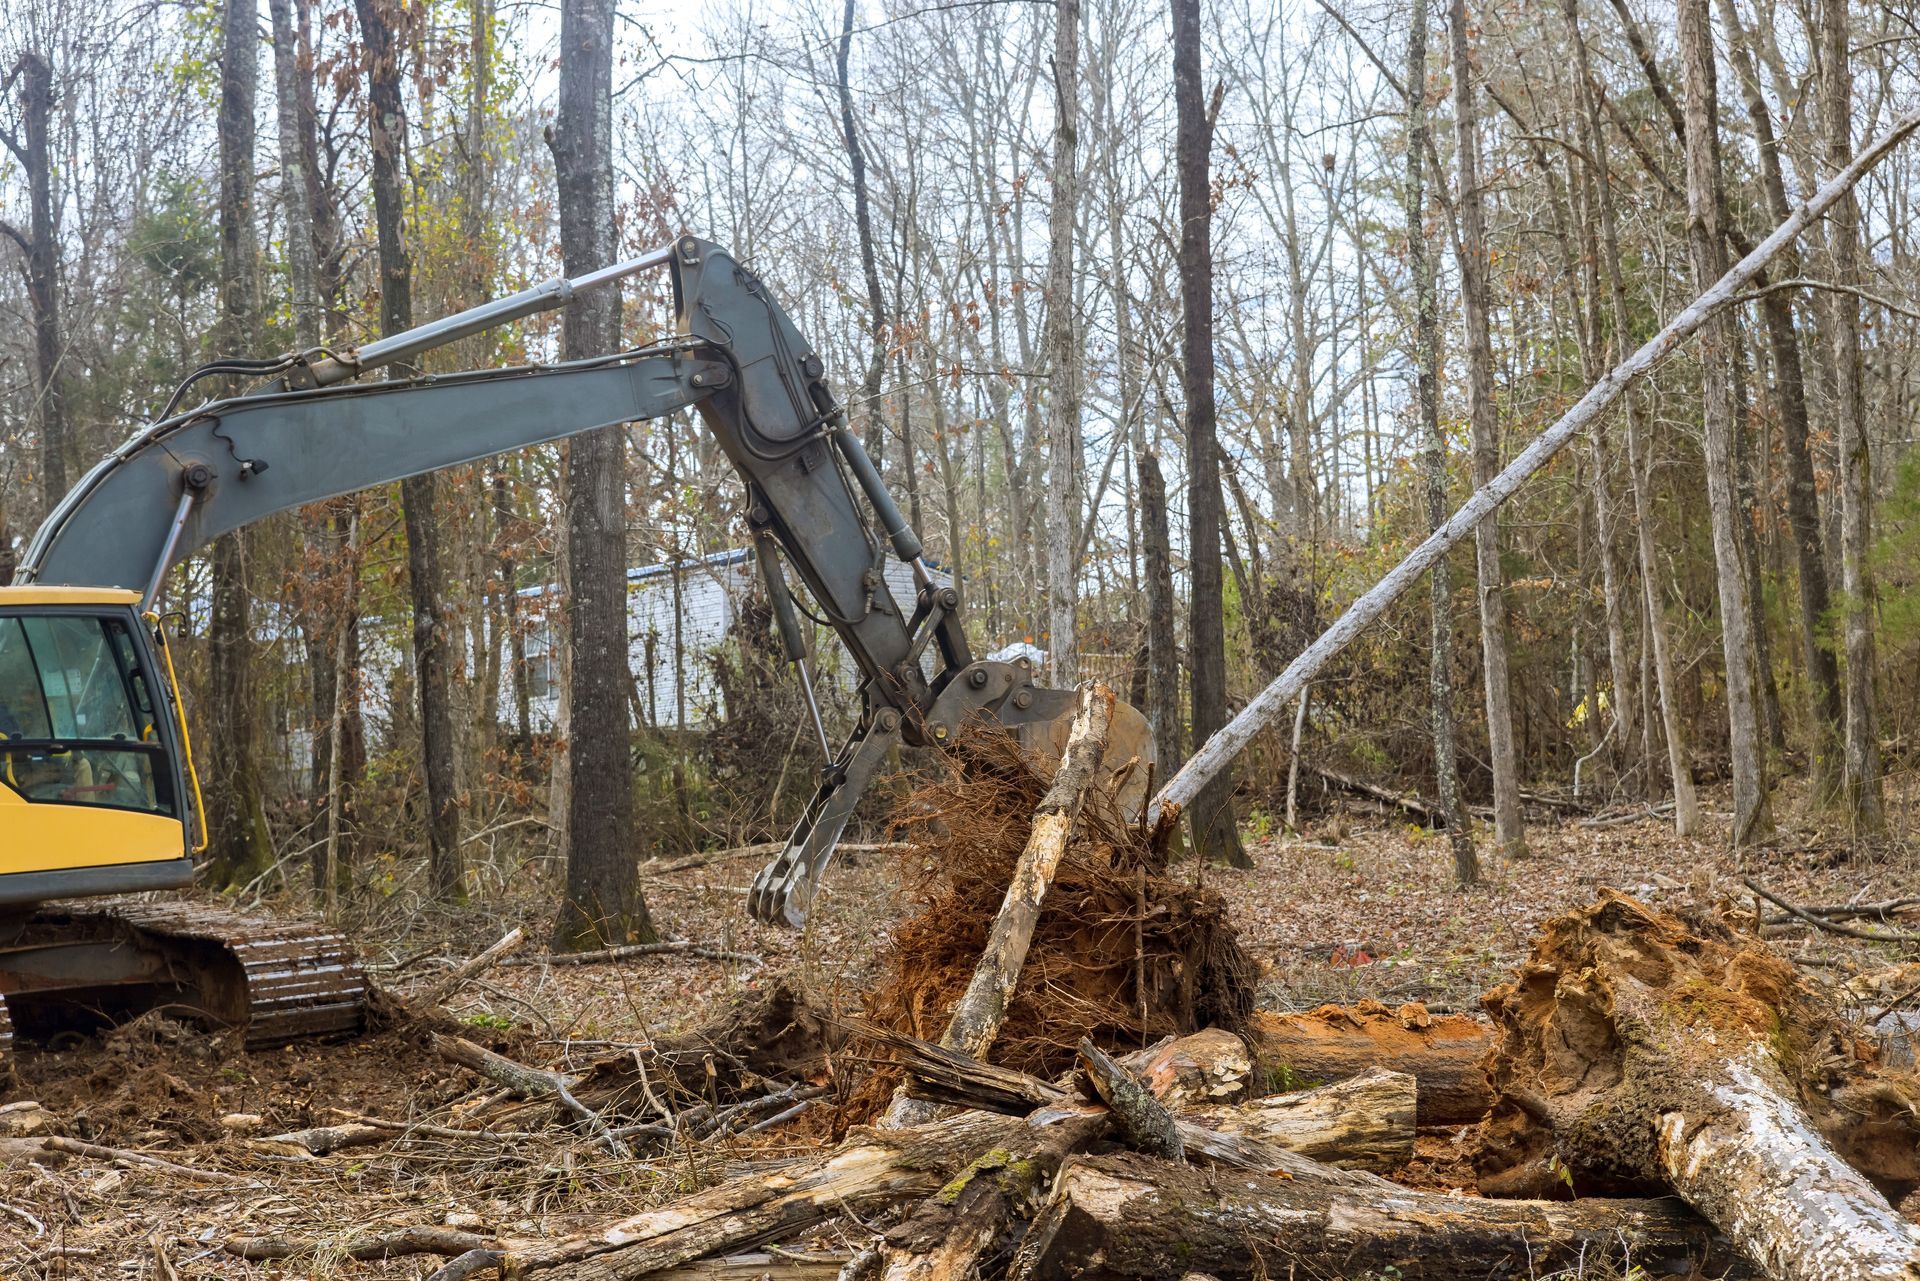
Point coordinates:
[[815, 503]]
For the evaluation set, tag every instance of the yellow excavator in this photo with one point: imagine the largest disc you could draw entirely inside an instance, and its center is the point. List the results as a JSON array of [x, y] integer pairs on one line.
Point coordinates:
[[98, 793]]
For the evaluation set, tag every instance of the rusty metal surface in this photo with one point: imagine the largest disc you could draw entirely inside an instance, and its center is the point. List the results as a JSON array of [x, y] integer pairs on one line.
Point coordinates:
[[284, 980]]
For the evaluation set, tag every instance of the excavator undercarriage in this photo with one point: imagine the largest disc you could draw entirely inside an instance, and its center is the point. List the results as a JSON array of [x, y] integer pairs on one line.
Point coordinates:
[[77, 966]]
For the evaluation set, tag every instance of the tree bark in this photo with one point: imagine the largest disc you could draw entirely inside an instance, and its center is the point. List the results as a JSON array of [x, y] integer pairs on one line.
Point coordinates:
[[603, 904], [1117, 1218], [1426, 362], [1752, 814], [419, 495], [1064, 356], [1855, 479], [1216, 834], [1824, 712], [1363, 1123], [1476, 260], [40, 244], [239, 845]]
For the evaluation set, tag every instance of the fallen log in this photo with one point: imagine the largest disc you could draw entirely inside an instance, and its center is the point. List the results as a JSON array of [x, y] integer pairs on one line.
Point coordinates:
[[1364, 1123], [422, 1239], [872, 1170], [528, 1083], [1128, 1218], [1641, 1052], [1442, 1052], [473, 967], [1209, 1066]]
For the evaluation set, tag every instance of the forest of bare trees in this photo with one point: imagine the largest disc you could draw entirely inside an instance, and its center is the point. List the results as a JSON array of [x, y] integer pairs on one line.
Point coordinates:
[[1172, 327]]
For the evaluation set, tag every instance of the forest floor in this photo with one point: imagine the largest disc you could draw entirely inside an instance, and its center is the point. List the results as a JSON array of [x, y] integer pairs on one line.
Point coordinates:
[[1359, 905]]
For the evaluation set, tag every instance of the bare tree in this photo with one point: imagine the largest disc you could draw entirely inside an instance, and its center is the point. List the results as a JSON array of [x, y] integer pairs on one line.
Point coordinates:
[[1510, 833], [1426, 361], [419, 495], [603, 904], [1752, 814], [1855, 462], [32, 147], [239, 846], [1216, 834], [1064, 358]]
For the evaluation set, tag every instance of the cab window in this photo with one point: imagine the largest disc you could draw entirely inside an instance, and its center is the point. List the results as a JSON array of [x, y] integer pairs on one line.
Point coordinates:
[[77, 716]]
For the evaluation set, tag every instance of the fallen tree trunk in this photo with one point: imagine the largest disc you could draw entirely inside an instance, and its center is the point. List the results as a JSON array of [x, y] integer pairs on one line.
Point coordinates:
[[1127, 1218], [1442, 1052], [1212, 756], [1638, 1052], [874, 1170], [1365, 1123]]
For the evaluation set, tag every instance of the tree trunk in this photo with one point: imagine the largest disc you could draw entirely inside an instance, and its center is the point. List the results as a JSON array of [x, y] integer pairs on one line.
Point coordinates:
[[1824, 714], [1855, 479], [33, 149], [1216, 834], [1163, 645], [1426, 360], [239, 847], [1686, 806], [1476, 260], [869, 407], [1118, 1218], [1064, 356], [603, 903], [1752, 815], [419, 495]]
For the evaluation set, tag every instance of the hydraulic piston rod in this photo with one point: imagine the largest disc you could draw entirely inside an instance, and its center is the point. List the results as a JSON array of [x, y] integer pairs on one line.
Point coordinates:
[[403, 346]]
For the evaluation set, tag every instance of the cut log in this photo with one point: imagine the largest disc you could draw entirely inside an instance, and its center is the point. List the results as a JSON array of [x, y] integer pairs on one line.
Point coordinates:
[[1128, 1218], [1443, 1052], [982, 1008], [1365, 1123], [1641, 1052]]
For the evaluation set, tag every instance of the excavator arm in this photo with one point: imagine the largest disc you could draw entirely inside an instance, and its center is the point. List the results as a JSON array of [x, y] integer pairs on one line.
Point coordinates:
[[735, 358]]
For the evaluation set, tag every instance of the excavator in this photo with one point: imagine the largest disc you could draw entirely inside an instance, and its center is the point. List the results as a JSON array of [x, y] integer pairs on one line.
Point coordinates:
[[99, 798]]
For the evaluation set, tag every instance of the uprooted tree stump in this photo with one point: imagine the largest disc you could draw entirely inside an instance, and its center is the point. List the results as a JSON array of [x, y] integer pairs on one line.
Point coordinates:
[[1640, 1053], [1121, 951]]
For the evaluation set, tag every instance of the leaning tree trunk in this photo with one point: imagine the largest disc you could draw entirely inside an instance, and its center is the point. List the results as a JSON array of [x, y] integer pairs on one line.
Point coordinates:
[[1752, 815], [1216, 835], [603, 903]]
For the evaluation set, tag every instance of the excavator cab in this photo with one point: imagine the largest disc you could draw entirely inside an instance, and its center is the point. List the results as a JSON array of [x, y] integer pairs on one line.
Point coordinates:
[[93, 791]]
